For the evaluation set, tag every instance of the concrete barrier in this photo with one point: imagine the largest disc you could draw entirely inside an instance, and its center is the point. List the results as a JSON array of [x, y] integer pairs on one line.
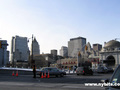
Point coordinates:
[[20, 72]]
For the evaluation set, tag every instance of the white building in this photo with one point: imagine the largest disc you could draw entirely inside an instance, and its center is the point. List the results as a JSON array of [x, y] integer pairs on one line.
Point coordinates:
[[36, 49], [110, 53], [3, 53], [64, 51], [75, 45], [19, 49]]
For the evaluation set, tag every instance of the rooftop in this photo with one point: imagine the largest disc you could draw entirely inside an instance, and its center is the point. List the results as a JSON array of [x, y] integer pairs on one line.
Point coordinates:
[[112, 44]]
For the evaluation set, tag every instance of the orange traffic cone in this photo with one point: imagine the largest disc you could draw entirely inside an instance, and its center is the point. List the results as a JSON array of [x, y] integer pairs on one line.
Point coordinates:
[[13, 73], [45, 74], [42, 75], [48, 75], [16, 73]]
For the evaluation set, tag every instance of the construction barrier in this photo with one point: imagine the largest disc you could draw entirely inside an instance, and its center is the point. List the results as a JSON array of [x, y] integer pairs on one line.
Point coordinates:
[[16, 73], [13, 73], [42, 76], [48, 75], [45, 74]]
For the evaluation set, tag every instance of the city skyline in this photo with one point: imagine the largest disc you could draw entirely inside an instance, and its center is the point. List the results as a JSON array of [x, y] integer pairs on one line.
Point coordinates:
[[54, 23]]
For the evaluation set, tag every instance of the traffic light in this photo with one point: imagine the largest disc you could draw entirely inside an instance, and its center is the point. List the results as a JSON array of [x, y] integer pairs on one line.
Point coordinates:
[[86, 48], [0, 44], [79, 54]]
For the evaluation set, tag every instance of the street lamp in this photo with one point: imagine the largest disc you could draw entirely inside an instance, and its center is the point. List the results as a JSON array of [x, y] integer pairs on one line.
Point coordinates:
[[31, 59], [60, 62], [33, 62]]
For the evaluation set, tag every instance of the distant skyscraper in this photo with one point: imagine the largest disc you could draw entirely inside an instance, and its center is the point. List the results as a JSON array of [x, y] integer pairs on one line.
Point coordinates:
[[75, 45], [54, 55], [3, 53], [36, 49], [54, 52], [64, 51], [19, 49]]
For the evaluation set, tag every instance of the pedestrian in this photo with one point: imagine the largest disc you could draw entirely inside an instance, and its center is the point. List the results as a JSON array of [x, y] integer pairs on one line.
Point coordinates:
[[74, 69], [34, 71]]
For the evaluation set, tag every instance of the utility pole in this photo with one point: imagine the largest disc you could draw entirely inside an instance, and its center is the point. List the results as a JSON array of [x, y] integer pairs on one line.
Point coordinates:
[[32, 61]]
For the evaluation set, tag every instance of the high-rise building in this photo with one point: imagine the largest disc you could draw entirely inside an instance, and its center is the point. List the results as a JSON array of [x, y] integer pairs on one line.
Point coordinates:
[[64, 51], [36, 49], [19, 49], [3, 53], [75, 45]]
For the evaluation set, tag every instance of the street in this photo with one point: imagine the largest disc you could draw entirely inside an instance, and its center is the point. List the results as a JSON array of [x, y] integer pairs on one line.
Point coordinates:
[[68, 82]]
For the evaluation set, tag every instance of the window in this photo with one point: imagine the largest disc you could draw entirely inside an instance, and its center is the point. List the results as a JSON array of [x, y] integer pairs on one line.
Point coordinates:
[[113, 49], [54, 69]]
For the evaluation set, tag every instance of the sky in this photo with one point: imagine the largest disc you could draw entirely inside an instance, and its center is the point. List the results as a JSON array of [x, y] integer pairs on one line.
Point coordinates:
[[55, 22]]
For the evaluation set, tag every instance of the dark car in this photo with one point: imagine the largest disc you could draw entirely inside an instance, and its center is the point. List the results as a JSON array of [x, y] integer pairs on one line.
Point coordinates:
[[84, 71], [52, 72], [104, 69], [110, 69], [115, 80]]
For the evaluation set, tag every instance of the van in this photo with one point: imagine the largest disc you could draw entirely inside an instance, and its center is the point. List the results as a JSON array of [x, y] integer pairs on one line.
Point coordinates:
[[84, 71]]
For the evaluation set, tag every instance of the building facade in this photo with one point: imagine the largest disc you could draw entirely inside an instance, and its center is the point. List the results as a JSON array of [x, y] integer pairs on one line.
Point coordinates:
[[54, 55], [36, 48], [64, 51], [54, 52], [45, 60], [75, 45], [19, 49], [67, 63], [110, 54], [97, 48], [3, 53]]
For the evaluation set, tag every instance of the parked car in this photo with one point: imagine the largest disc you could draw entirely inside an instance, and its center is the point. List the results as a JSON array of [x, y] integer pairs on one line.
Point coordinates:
[[104, 69], [110, 69], [52, 71], [84, 71], [115, 79]]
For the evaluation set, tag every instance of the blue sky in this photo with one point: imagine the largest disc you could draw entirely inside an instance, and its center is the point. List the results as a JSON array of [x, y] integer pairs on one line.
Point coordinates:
[[54, 22]]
